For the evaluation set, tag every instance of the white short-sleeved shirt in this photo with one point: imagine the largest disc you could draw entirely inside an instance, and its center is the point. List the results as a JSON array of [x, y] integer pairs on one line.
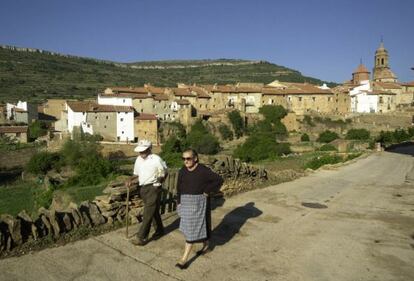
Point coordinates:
[[149, 169]]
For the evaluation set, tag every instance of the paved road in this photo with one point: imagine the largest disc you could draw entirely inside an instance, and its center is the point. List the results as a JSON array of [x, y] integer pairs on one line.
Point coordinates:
[[366, 232]]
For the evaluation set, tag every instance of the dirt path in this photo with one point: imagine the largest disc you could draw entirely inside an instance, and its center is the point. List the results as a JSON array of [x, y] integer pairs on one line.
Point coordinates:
[[362, 229]]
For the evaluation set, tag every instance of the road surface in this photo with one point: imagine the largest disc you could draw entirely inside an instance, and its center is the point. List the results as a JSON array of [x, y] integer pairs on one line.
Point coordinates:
[[352, 223]]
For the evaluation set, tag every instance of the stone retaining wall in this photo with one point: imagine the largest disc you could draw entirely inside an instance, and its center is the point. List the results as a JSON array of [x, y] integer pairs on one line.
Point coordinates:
[[114, 205]]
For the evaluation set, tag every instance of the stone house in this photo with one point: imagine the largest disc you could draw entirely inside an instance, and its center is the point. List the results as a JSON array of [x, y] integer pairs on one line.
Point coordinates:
[[147, 99], [113, 123], [54, 107], [300, 98], [146, 127], [19, 133], [22, 112]]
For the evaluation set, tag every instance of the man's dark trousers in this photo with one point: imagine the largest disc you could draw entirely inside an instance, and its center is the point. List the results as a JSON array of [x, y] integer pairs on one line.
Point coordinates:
[[151, 195]]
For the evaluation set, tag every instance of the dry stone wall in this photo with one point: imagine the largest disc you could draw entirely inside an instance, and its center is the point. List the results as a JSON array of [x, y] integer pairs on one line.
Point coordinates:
[[116, 204]]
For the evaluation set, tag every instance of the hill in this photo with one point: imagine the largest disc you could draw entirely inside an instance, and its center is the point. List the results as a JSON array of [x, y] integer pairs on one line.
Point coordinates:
[[31, 74]]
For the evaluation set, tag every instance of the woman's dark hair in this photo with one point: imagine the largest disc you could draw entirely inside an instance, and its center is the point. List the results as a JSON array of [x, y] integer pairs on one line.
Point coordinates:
[[193, 152]]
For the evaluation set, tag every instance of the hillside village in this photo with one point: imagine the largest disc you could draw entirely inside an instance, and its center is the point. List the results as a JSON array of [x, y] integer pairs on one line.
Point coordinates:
[[127, 114]]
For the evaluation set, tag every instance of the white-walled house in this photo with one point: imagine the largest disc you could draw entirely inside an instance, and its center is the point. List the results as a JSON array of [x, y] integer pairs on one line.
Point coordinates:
[[365, 98], [125, 126], [120, 100], [113, 123], [75, 116], [361, 101]]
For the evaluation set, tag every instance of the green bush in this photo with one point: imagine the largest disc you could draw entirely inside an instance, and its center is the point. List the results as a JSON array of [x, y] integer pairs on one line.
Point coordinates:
[[327, 147], [398, 136], [237, 122], [171, 152], [327, 136], [202, 140], [319, 161], [41, 162], [308, 120], [358, 134], [259, 147], [37, 129], [304, 137], [92, 169], [225, 132], [273, 113]]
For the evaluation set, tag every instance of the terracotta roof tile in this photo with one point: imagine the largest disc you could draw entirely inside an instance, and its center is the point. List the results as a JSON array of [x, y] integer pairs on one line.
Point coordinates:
[[13, 129], [182, 102], [86, 106], [146, 116], [387, 85], [361, 69]]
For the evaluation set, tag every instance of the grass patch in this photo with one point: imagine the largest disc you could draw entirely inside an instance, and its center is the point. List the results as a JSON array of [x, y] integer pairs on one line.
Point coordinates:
[[82, 193], [17, 197]]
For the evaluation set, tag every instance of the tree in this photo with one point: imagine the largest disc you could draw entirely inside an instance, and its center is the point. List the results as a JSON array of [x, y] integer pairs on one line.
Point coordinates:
[[202, 140], [327, 136], [273, 113], [41, 162], [305, 137], [225, 132], [237, 122], [357, 134], [37, 129]]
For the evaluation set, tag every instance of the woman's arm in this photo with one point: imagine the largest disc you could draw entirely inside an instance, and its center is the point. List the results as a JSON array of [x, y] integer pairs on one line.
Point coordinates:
[[214, 181]]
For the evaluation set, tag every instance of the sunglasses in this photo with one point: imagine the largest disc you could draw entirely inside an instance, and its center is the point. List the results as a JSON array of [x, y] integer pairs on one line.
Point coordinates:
[[187, 158]]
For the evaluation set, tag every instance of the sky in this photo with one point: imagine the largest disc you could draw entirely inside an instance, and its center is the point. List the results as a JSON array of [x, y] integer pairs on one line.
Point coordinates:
[[325, 39]]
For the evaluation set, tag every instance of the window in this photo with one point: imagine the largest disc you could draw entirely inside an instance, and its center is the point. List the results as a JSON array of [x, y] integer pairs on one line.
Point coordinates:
[[329, 98], [122, 132], [105, 126], [122, 119], [300, 99], [140, 101], [18, 135], [107, 117], [313, 98], [123, 100]]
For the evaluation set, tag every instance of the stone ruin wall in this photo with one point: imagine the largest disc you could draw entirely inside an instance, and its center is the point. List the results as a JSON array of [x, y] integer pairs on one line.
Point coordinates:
[[112, 205]]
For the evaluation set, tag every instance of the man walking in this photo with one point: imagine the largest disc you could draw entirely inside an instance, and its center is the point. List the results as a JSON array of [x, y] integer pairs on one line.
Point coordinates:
[[151, 171]]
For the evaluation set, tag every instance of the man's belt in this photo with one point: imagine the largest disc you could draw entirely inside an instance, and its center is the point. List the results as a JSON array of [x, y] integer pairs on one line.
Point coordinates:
[[147, 185]]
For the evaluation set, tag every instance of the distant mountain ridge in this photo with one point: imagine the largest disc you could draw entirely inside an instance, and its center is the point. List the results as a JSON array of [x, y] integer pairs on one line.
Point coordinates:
[[34, 74]]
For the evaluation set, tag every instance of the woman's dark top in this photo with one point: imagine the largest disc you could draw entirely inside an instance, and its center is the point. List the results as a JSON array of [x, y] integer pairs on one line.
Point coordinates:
[[201, 180]]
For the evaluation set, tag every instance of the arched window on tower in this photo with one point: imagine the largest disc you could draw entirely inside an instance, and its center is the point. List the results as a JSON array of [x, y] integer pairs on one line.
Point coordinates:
[[382, 61]]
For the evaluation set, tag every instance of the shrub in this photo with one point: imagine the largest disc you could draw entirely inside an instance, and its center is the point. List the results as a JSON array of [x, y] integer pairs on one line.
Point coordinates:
[[225, 132], [237, 122], [327, 147], [304, 137], [171, 152], [202, 140], [37, 129], [92, 169], [40, 163], [358, 134], [327, 136], [259, 147], [319, 161], [273, 113], [308, 120]]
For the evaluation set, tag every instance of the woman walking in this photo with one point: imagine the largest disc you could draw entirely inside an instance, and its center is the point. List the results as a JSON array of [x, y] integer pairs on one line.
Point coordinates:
[[195, 183]]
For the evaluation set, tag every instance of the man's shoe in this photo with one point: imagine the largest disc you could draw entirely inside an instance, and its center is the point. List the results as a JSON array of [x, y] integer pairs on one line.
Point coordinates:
[[157, 235], [138, 241]]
